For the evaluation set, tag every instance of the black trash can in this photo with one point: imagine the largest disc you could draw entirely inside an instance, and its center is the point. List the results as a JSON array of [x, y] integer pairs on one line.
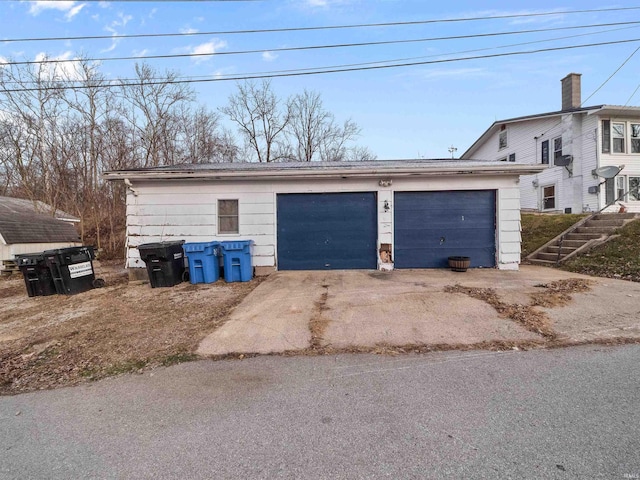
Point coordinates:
[[165, 262], [36, 273], [71, 269]]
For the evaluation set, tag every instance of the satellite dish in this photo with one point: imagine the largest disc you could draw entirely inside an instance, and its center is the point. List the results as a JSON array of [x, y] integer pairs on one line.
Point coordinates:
[[563, 161], [609, 171]]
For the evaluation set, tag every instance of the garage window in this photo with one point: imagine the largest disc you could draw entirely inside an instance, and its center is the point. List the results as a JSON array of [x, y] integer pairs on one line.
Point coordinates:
[[228, 221], [549, 197]]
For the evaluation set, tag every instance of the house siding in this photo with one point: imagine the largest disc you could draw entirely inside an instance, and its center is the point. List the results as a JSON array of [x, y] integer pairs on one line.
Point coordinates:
[[179, 209], [579, 133], [8, 252], [630, 161], [589, 156]]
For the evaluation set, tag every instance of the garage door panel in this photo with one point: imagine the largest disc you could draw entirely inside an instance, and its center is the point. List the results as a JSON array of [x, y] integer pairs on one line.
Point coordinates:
[[327, 231], [432, 226], [483, 238]]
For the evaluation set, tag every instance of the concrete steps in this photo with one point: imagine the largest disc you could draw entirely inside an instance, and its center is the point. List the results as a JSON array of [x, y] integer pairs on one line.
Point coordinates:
[[579, 238]]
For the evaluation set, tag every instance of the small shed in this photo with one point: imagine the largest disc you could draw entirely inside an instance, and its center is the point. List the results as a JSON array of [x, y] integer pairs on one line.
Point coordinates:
[[29, 227], [334, 215]]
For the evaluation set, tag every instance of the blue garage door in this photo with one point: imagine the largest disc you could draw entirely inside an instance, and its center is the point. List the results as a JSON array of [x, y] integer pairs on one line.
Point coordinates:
[[323, 231], [431, 226]]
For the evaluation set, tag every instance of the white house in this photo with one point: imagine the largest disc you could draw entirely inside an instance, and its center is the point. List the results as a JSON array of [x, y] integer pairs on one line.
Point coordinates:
[[338, 215], [31, 227], [574, 142]]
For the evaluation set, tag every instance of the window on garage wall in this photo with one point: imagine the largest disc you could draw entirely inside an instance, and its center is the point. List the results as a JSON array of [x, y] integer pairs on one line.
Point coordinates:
[[228, 218], [549, 197]]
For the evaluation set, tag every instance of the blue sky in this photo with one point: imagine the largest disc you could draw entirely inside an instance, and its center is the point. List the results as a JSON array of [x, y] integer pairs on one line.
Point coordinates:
[[407, 112]]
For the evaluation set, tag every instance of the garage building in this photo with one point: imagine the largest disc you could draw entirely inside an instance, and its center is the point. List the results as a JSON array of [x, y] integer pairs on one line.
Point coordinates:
[[338, 215]]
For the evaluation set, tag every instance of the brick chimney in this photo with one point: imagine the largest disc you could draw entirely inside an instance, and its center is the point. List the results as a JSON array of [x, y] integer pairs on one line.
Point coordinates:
[[571, 96]]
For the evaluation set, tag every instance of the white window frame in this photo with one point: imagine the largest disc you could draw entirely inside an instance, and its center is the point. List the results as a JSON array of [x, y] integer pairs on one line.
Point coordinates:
[[237, 215], [555, 196], [630, 198], [621, 188], [503, 140], [633, 137], [615, 135], [555, 151]]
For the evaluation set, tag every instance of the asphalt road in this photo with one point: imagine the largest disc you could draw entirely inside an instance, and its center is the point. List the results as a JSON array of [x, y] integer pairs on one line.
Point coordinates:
[[570, 413]]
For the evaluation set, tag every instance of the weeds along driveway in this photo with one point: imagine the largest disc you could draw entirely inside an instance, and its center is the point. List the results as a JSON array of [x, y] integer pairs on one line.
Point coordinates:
[[370, 311], [59, 340]]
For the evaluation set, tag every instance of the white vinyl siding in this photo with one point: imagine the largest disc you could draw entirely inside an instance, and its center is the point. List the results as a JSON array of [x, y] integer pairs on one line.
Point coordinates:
[[8, 252], [173, 210]]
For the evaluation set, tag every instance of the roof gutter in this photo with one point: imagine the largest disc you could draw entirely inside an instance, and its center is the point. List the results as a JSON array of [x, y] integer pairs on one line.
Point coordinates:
[[128, 175]]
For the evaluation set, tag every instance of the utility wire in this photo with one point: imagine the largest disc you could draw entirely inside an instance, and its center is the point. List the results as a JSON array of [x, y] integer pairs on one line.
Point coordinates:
[[596, 91], [315, 47], [327, 71], [379, 62], [611, 76], [325, 27]]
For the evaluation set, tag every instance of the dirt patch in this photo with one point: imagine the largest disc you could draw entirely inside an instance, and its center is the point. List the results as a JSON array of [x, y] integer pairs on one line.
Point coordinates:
[[393, 350], [554, 294], [54, 341], [318, 323], [527, 316], [558, 293]]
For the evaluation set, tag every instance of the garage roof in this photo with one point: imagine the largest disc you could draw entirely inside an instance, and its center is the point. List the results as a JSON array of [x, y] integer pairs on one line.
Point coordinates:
[[21, 223], [388, 168]]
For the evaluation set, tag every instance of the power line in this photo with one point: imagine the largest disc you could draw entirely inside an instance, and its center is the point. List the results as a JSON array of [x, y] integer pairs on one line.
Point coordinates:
[[379, 62], [611, 76], [596, 91], [327, 71], [315, 47], [325, 27]]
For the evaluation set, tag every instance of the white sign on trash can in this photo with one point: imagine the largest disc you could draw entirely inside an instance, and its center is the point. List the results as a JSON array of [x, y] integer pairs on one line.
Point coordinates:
[[80, 269]]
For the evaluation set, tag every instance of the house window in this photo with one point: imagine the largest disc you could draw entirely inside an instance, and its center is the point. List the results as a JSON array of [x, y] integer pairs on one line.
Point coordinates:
[[634, 189], [228, 216], [610, 190], [620, 190], [635, 138], [502, 140], [606, 136], [503, 159], [617, 137], [557, 149], [512, 157], [549, 197], [545, 152]]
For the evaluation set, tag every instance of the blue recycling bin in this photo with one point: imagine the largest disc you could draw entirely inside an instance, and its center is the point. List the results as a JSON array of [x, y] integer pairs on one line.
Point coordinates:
[[204, 266], [236, 260]]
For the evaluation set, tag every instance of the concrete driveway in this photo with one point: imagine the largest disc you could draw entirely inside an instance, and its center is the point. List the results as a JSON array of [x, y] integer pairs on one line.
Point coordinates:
[[357, 309]]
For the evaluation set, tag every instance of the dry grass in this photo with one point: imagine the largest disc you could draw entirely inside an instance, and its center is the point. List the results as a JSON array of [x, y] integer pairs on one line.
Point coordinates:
[[57, 340], [318, 323], [527, 316], [558, 293]]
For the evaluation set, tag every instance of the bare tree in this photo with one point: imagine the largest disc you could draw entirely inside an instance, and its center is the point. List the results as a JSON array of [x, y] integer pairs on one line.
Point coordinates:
[[154, 101], [256, 110]]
